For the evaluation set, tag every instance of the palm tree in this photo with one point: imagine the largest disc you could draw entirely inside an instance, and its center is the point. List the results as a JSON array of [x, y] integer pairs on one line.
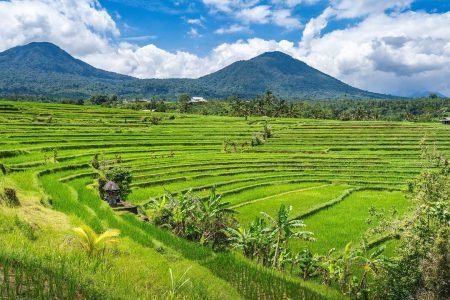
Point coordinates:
[[93, 243], [282, 229]]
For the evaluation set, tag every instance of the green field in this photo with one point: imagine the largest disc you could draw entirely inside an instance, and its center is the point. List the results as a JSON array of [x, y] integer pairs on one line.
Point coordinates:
[[307, 164]]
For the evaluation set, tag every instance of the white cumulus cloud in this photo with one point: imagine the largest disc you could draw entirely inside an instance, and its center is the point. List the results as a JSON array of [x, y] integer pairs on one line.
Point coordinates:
[[258, 14], [234, 28], [277, 12], [283, 18], [386, 52], [79, 25], [389, 50]]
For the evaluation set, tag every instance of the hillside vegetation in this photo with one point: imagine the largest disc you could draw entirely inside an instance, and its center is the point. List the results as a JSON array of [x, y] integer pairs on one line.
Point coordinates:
[[44, 70], [332, 173]]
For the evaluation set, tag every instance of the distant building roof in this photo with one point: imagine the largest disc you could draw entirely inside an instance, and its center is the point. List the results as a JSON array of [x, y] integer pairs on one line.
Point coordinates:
[[111, 186], [197, 100]]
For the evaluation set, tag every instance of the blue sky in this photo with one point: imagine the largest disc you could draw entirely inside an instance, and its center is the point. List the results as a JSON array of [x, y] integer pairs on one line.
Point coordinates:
[[169, 23], [399, 47]]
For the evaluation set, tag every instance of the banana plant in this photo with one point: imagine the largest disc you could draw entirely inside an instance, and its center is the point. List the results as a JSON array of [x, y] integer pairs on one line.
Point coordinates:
[[307, 262], [213, 216], [283, 229], [243, 239]]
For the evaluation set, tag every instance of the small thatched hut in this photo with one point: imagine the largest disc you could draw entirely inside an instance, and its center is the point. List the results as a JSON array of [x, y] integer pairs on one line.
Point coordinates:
[[112, 193]]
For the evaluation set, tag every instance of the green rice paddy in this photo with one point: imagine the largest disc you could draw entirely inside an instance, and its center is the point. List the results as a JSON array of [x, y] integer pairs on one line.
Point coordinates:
[[331, 172]]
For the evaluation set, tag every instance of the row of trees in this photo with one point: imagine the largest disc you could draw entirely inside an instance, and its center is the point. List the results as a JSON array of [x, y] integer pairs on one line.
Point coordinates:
[[153, 104], [425, 109], [356, 271]]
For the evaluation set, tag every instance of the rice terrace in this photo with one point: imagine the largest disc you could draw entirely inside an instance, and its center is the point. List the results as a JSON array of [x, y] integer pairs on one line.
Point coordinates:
[[331, 173], [225, 149]]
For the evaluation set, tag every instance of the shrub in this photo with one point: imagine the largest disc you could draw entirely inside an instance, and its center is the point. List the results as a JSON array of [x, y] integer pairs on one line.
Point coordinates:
[[257, 140], [123, 179], [11, 197], [95, 163], [195, 218], [55, 155], [155, 120], [267, 131], [101, 183]]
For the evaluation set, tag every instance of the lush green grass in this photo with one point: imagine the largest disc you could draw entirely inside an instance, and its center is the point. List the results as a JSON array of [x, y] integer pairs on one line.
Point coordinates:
[[324, 169], [301, 201], [348, 220]]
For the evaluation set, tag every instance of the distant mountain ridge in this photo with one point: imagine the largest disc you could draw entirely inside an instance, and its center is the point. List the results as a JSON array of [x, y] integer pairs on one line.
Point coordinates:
[[285, 76], [44, 69], [49, 58], [427, 94]]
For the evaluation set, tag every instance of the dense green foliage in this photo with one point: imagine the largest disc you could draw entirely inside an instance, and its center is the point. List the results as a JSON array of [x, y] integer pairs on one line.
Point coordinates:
[[191, 217], [268, 104], [421, 269], [268, 242], [123, 179], [44, 70]]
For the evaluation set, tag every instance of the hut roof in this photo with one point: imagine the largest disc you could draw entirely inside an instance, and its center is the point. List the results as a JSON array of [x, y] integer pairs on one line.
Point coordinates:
[[111, 186]]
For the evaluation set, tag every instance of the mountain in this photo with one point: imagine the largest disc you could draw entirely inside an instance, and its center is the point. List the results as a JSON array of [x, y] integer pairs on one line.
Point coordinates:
[[426, 94], [48, 58], [44, 69], [285, 76]]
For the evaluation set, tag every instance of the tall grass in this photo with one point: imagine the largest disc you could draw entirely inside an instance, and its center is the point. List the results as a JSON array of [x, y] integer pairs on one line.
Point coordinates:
[[256, 282]]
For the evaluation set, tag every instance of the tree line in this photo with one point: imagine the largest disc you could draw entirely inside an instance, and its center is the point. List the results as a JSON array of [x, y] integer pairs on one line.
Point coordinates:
[[423, 109]]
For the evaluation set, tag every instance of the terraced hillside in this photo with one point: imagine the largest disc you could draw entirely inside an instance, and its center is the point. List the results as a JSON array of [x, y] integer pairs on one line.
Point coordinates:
[[331, 172]]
